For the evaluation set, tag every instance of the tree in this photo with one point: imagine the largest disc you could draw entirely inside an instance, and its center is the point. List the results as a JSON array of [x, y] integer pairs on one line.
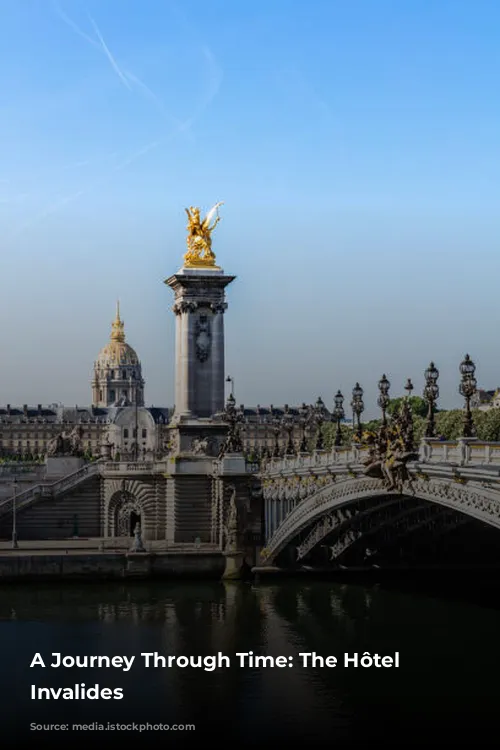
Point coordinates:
[[418, 405]]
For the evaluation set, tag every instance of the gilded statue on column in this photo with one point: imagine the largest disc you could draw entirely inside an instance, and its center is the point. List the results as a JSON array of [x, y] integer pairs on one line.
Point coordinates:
[[199, 239]]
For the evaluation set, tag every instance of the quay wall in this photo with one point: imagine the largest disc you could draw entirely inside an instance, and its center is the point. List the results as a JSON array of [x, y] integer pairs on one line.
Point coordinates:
[[109, 566]]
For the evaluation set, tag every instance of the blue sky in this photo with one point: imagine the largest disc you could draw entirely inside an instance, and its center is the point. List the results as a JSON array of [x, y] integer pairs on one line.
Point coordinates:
[[355, 144]]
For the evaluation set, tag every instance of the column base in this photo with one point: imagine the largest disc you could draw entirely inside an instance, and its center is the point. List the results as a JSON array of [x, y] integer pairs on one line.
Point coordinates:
[[234, 566]]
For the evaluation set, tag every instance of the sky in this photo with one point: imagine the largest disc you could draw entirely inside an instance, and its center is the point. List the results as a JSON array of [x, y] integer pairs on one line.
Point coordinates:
[[356, 148]]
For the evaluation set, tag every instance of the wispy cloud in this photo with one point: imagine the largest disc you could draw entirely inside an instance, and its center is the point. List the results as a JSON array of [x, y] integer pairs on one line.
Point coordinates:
[[108, 54], [98, 43], [215, 80], [127, 78]]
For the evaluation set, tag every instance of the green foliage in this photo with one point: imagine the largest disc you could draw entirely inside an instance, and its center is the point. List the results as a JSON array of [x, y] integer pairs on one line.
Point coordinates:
[[487, 424], [373, 425], [329, 432], [449, 424], [418, 405]]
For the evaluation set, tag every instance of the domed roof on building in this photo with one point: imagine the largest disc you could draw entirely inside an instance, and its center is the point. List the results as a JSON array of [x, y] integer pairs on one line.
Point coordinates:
[[117, 352]]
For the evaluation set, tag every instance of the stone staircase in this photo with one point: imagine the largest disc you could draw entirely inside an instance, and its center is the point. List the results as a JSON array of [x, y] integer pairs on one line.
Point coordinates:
[[45, 491]]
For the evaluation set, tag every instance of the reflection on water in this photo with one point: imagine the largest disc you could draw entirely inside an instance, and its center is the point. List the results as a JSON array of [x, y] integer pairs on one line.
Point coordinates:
[[449, 658]]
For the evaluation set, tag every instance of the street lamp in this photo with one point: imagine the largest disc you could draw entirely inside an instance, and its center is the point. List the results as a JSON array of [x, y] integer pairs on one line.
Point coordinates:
[[304, 417], [14, 519], [358, 408], [338, 413], [383, 399], [431, 395], [467, 389], [319, 418], [287, 424], [229, 379]]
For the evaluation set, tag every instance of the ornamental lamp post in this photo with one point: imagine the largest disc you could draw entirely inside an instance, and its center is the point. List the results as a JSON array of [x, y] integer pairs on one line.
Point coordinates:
[[338, 414], [319, 418], [358, 408], [431, 395], [229, 379], [408, 387], [304, 416], [467, 389], [287, 424], [383, 399]]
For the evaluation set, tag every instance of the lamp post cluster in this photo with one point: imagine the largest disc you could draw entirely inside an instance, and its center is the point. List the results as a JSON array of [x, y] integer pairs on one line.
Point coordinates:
[[358, 408], [467, 389], [383, 398], [297, 431], [431, 395]]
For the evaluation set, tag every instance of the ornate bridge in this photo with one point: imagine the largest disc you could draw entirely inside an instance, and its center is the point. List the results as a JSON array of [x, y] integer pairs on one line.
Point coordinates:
[[329, 499]]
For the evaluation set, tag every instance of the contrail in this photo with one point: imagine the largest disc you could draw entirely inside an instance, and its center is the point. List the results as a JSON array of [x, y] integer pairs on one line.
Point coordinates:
[[99, 44], [124, 75], [67, 20], [212, 91], [108, 54]]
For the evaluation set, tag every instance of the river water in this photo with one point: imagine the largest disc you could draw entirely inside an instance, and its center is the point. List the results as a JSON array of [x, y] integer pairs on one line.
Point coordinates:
[[446, 684]]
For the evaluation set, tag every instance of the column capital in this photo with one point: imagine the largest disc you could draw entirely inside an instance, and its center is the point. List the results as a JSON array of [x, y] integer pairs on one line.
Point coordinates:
[[183, 306], [218, 307]]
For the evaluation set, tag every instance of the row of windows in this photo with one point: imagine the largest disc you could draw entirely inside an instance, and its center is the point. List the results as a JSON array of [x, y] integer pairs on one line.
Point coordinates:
[[36, 435], [134, 433]]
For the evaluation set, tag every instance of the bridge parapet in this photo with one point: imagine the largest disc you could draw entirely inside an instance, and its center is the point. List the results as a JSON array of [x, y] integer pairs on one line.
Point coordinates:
[[462, 452], [342, 457]]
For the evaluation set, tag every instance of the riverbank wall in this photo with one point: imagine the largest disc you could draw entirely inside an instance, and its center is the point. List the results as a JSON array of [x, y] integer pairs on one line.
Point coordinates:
[[17, 568]]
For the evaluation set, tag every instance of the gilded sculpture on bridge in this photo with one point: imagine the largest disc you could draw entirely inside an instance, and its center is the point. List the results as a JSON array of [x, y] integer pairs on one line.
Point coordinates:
[[199, 239], [391, 448]]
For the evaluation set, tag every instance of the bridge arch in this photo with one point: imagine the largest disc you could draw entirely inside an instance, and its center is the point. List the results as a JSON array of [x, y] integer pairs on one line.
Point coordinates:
[[473, 500]]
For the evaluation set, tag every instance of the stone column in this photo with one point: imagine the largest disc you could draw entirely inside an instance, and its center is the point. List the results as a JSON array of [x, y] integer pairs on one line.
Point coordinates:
[[178, 356], [185, 357], [218, 400], [199, 341]]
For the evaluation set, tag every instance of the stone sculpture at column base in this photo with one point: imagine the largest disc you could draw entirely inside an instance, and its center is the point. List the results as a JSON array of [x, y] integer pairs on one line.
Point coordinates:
[[232, 552]]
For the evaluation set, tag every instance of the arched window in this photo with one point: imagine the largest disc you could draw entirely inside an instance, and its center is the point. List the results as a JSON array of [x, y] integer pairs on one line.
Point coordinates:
[[125, 434], [144, 434]]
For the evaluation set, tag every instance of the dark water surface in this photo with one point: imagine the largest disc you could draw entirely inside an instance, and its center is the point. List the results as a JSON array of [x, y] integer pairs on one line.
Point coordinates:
[[446, 686]]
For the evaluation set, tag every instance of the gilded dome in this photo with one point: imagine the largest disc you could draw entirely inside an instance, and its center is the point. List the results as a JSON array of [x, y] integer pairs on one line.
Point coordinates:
[[117, 352]]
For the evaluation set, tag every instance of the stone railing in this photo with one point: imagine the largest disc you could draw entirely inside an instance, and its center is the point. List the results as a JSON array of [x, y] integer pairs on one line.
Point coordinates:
[[463, 452], [317, 459], [129, 467], [31, 495]]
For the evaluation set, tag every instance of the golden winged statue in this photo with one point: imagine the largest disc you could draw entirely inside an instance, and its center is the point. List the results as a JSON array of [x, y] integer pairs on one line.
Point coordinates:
[[199, 239]]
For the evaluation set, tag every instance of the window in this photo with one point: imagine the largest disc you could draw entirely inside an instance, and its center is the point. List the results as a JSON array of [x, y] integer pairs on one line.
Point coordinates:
[[124, 374], [112, 395], [144, 434], [125, 434]]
